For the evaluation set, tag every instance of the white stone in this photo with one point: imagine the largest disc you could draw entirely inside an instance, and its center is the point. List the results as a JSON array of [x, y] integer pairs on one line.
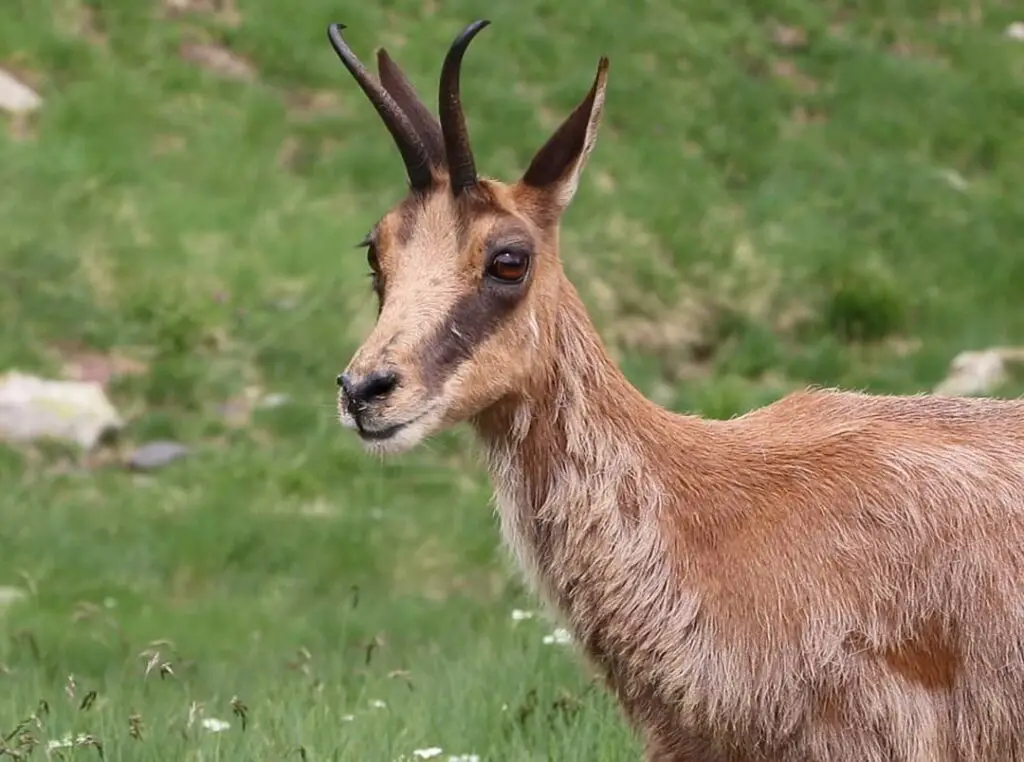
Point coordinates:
[[33, 408], [17, 97]]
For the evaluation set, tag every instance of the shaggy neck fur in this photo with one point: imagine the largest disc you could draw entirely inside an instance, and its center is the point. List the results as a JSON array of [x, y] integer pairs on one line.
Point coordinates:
[[578, 478]]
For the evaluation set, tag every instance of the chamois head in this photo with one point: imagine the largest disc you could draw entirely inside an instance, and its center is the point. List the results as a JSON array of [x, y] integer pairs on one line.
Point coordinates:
[[465, 268]]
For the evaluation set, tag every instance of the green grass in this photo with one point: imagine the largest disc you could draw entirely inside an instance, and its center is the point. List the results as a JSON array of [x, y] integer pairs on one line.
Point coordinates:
[[757, 217]]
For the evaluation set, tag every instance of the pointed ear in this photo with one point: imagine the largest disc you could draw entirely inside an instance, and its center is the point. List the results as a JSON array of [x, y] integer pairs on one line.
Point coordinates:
[[556, 167]]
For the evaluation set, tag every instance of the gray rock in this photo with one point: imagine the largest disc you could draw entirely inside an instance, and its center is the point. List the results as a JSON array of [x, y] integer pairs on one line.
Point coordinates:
[[156, 455], [979, 372]]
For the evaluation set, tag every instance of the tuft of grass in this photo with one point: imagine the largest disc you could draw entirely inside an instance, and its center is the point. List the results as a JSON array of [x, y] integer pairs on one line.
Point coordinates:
[[783, 194], [864, 305]]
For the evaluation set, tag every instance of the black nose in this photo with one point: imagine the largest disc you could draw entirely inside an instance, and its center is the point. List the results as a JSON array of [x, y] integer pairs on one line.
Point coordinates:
[[361, 391]]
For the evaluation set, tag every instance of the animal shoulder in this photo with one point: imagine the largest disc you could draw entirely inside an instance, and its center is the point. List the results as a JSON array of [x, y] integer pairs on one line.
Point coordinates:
[[824, 413], [816, 442]]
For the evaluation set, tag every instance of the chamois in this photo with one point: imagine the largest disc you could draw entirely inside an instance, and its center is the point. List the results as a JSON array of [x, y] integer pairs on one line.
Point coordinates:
[[835, 576]]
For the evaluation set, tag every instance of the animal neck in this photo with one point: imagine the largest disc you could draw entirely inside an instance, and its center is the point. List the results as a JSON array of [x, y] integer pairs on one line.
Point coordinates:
[[578, 461], [576, 408]]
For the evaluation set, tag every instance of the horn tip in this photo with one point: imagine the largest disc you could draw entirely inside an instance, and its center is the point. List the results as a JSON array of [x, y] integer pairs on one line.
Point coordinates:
[[334, 35], [470, 31]]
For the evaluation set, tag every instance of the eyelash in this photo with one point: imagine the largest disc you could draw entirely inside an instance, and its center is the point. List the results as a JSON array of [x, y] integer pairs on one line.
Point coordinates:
[[371, 261]]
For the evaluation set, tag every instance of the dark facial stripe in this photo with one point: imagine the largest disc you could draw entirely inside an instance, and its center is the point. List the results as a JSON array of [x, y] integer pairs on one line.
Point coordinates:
[[470, 322]]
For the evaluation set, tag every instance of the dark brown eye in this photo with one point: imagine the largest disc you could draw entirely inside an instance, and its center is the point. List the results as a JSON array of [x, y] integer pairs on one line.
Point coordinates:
[[371, 258], [509, 266]]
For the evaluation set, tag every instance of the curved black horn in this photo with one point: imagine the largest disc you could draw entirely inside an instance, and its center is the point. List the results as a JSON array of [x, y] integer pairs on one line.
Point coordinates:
[[414, 152], [393, 79], [461, 167]]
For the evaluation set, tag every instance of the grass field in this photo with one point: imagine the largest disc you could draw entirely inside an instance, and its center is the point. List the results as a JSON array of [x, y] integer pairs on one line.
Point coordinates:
[[784, 193]]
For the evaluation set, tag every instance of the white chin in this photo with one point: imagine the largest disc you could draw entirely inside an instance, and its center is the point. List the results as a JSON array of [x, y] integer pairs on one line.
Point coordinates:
[[402, 440]]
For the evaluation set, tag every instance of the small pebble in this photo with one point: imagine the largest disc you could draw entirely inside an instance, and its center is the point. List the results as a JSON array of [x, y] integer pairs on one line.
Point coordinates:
[[156, 455], [274, 400]]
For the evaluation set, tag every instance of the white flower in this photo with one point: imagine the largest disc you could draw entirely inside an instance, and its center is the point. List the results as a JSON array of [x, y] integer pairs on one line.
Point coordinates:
[[214, 725], [464, 758], [378, 704], [560, 637], [347, 717], [519, 615], [433, 751], [68, 742]]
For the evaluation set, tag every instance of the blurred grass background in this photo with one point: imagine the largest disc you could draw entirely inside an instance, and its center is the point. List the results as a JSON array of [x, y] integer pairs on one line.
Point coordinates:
[[784, 193]]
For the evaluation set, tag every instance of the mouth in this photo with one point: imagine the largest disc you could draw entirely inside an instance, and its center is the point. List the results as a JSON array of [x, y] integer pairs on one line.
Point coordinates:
[[380, 435]]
